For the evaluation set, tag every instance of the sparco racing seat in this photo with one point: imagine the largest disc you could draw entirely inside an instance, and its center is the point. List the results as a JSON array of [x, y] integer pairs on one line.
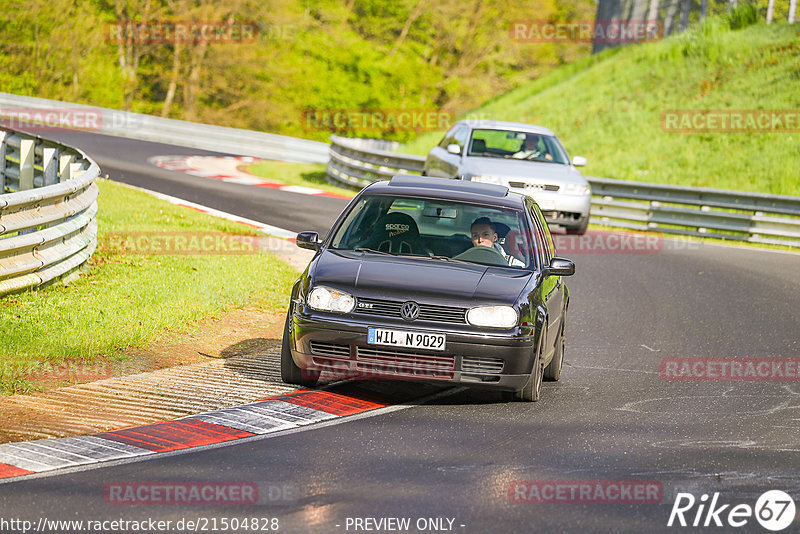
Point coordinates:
[[398, 233]]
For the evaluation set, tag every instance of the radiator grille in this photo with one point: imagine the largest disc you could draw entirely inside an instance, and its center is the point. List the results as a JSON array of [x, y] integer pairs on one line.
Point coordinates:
[[482, 365], [334, 350], [544, 187], [427, 312], [402, 363]]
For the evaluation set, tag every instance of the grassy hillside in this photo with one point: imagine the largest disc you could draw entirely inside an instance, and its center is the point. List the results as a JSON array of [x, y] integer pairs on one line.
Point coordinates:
[[608, 108]]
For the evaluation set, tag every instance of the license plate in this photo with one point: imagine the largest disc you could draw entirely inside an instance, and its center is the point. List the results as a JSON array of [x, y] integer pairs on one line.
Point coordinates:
[[404, 338]]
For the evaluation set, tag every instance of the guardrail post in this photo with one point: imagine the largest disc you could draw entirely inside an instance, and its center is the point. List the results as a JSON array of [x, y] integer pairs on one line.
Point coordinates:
[[26, 155], [49, 165], [3, 136], [64, 168]]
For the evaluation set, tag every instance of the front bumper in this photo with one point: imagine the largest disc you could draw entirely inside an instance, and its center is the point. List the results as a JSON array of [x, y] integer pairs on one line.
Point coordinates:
[[476, 359], [561, 208]]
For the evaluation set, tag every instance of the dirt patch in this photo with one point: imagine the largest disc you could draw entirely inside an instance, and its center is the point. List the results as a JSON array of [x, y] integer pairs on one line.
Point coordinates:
[[213, 337], [229, 337]]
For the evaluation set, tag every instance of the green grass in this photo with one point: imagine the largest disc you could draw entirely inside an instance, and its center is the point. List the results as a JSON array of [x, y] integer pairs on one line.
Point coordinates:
[[305, 174], [129, 300], [608, 108]]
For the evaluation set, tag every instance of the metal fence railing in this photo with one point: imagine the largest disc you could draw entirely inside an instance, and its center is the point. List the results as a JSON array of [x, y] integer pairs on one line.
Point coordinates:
[[25, 109], [48, 208], [670, 209]]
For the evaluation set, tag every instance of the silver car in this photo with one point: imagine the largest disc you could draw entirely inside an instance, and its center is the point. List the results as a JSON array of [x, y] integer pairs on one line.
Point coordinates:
[[523, 157]]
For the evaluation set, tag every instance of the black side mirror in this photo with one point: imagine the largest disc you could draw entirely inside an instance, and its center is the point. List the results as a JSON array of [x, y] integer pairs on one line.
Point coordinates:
[[309, 240], [560, 267]]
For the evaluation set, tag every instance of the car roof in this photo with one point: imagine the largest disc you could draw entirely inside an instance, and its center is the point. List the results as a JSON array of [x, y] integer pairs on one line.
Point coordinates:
[[447, 189], [505, 125]]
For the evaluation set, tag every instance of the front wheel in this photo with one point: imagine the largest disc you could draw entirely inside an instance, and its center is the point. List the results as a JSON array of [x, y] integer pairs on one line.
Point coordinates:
[[532, 391], [290, 372], [553, 370]]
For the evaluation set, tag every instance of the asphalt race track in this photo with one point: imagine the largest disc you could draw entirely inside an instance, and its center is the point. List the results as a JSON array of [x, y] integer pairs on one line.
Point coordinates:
[[452, 464], [126, 161]]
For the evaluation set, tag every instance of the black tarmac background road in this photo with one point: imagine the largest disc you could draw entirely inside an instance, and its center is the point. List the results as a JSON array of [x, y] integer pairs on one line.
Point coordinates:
[[125, 160], [611, 417]]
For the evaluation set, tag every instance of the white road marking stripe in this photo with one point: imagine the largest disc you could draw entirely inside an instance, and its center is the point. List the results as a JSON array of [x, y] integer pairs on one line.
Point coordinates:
[[301, 189], [20, 454], [113, 449], [265, 228], [307, 415], [240, 423]]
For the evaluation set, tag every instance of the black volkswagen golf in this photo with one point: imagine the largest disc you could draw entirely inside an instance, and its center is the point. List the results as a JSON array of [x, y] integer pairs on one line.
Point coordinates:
[[431, 279]]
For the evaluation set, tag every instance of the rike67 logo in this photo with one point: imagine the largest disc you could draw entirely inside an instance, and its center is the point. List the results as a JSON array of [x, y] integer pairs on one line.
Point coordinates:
[[774, 510]]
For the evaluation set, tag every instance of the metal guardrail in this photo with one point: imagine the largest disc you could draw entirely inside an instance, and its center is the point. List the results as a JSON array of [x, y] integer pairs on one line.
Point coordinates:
[[359, 162], [175, 132], [681, 210], [48, 208]]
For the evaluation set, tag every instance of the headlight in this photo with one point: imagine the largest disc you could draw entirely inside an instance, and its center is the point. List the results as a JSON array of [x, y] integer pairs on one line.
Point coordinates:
[[577, 189], [326, 299], [493, 316], [486, 179]]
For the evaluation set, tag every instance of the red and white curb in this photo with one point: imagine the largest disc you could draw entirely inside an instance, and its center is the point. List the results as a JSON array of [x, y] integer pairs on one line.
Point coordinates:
[[225, 169], [282, 412]]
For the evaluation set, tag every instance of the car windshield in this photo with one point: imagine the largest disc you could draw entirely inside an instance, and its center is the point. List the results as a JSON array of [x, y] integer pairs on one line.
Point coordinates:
[[437, 229], [517, 145]]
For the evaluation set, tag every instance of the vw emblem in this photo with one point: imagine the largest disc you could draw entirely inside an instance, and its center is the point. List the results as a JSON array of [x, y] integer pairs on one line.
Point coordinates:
[[409, 310]]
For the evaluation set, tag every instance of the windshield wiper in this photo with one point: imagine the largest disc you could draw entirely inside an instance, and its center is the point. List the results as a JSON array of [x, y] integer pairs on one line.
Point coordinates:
[[362, 249], [447, 258]]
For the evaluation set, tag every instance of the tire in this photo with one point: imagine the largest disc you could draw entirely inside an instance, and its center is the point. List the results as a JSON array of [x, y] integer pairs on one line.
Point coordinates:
[[290, 372], [581, 229], [552, 372], [532, 391]]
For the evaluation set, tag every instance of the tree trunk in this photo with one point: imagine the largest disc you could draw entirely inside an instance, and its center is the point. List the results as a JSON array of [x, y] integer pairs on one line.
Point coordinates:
[[669, 19], [770, 11], [652, 13], [191, 88], [413, 16], [685, 8], [792, 9], [173, 80]]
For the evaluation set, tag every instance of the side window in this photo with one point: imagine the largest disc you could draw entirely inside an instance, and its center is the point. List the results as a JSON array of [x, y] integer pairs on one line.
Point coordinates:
[[551, 247], [543, 247], [461, 137], [448, 137]]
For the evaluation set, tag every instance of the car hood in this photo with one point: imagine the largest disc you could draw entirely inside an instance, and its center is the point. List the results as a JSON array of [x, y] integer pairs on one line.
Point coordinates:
[[415, 278], [514, 168]]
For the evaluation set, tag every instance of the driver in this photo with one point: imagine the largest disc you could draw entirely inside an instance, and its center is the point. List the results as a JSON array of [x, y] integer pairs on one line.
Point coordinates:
[[484, 234], [530, 149]]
